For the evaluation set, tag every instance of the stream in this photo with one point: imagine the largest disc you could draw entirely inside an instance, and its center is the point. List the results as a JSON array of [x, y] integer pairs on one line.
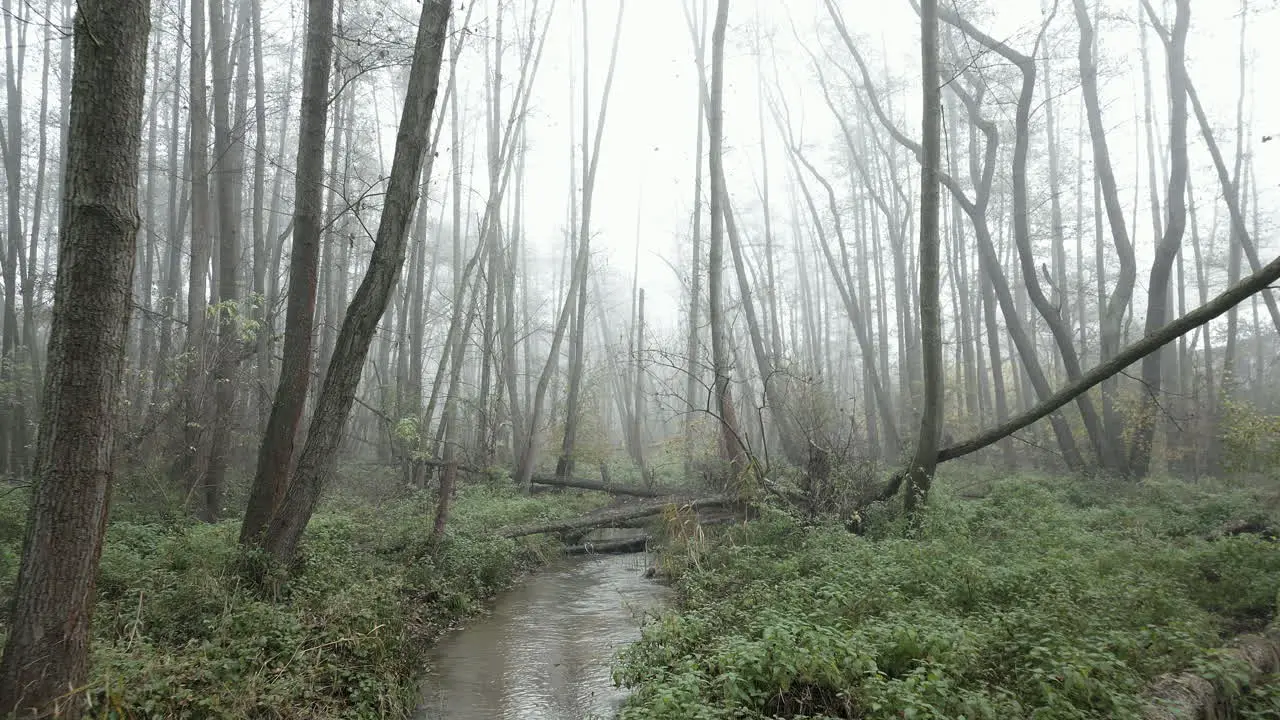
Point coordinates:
[[545, 650]]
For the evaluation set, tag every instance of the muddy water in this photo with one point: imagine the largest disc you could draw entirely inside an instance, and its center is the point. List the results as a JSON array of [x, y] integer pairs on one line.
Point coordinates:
[[545, 651]]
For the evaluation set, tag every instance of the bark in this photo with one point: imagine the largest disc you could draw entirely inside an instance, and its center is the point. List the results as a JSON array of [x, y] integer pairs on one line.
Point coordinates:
[[1171, 243], [316, 463], [47, 648], [638, 412], [29, 302], [146, 322], [732, 450], [276, 452], [228, 172], [185, 471], [920, 473], [1112, 308]]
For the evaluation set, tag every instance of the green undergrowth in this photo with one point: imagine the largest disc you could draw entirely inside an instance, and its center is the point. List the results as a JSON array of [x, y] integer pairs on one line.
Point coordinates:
[[178, 635], [1043, 599]]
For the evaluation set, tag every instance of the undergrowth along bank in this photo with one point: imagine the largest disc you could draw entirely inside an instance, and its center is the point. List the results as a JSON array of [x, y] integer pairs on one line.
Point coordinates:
[[178, 635], [1046, 599]]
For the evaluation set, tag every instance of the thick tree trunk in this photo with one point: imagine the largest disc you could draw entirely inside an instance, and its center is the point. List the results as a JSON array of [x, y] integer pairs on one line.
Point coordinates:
[[276, 452], [47, 648], [337, 394]]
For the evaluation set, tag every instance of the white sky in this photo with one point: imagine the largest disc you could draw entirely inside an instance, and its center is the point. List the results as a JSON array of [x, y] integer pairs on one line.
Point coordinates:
[[647, 161]]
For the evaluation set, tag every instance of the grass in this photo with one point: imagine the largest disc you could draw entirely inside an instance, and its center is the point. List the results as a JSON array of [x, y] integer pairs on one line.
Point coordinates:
[[1046, 599], [177, 635]]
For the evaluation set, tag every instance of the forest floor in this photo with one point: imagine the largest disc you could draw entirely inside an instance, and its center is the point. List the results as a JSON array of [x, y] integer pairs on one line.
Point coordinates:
[[178, 635], [1041, 597], [1046, 598]]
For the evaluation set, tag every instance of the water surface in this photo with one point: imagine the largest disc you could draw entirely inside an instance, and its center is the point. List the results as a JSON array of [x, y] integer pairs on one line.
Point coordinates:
[[545, 650]]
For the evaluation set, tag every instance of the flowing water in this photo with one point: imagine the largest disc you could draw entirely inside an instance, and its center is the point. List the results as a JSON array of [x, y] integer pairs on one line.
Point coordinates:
[[546, 649]]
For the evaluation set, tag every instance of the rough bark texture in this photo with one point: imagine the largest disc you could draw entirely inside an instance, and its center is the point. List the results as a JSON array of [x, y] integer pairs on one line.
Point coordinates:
[[272, 475], [319, 455], [46, 653]]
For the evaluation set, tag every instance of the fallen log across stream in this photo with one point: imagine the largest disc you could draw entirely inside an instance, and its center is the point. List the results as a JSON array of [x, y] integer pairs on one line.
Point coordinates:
[[604, 487], [605, 547], [616, 514]]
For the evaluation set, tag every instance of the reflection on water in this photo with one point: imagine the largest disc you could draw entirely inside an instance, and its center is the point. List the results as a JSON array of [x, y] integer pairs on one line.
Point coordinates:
[[545, 651]]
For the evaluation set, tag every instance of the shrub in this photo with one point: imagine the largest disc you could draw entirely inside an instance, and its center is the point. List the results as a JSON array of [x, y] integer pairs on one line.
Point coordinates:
[[1021, 604]]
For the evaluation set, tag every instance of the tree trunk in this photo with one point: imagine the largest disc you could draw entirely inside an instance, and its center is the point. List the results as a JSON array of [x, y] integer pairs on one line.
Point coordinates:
[[276, 452], [228, 171], [1113, 307], [176, 220], [732, 450], [47, 649], [920, 473], [337, 394], [185, 471], [693, 348], [1171, 243]]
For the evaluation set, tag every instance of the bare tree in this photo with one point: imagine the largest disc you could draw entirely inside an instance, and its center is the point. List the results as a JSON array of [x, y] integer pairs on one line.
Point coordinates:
[[337, 394], [732, 449], [1171, 243], [276, 451], [920, 473]]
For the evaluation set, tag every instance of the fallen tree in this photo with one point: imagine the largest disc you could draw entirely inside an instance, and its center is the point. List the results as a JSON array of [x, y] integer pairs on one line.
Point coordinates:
[[599, 486], [614, 516], [1216, 307], [1189, 695], [604, 547]]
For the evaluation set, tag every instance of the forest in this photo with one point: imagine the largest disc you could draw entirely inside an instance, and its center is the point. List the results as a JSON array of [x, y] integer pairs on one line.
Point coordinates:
[[924, 351]]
